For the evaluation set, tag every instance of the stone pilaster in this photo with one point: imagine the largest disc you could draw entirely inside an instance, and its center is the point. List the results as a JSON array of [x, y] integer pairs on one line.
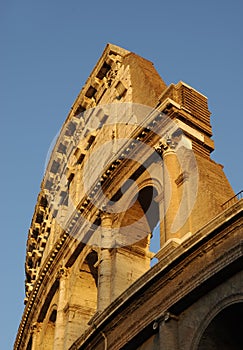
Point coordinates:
[[172, 194], [60, 320], [104, 279], [168, 333], [35, 331]]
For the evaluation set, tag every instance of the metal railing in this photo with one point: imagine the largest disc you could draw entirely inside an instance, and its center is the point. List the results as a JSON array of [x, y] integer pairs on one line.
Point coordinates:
[[232, 200]]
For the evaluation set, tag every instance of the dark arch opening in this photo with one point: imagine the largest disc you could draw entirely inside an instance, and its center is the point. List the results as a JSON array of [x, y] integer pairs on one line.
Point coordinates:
[[224, 332], [150, 207], [91, 260], [48, 301], [139, 218], [53, 316]]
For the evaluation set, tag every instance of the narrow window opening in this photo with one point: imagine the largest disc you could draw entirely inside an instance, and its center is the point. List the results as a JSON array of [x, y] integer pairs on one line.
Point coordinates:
[[80, 158], [70, 129], [53, 316], [90, 92], [90, 141], [54, 167], [79, 110], [103, 71]]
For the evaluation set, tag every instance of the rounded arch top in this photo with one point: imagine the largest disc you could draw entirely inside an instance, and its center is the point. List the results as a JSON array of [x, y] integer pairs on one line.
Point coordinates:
[[220, 329]]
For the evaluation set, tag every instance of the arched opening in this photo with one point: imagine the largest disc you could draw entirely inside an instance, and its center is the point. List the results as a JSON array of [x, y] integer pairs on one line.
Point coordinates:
[[140, 219], [82, 303], [150, 207], [132, 256], [84, 285], [49, 331], [53, 316], [47, 319], [224, 331], [146, 198]]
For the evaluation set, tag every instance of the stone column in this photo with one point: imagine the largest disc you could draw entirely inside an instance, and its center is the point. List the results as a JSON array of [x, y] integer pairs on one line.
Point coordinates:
[[104, 278], [172, 194], [168, 333], [60, 320], [35, 331]]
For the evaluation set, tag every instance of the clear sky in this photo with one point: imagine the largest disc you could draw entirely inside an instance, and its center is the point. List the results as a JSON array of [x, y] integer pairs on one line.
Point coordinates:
[[48, 49]]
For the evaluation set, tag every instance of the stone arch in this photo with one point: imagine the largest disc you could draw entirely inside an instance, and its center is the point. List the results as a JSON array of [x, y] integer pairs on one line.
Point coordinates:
[[220, 328], [131, 256], [141, 217], [47, 332], [48, 329], [46, 320], [50, 301], [86, 251], [157, 233], [138, 221], [82, 299], [84, 275]]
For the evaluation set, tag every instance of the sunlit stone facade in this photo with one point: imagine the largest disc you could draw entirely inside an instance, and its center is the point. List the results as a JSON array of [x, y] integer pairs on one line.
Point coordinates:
[[132, 162]]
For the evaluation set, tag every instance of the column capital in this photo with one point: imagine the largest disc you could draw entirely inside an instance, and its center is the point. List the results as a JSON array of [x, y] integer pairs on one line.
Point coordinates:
[[106, 218], [35, 327], [62, 273], [165, 146]]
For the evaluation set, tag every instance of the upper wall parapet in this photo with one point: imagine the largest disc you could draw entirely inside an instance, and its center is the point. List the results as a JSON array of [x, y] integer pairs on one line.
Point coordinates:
[[190, 108]]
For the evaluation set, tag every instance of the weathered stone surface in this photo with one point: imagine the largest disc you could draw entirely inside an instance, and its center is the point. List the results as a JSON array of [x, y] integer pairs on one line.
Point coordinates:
[[89, 284]]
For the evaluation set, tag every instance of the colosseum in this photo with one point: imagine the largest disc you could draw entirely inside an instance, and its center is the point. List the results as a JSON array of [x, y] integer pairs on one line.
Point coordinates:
[[136, 241]]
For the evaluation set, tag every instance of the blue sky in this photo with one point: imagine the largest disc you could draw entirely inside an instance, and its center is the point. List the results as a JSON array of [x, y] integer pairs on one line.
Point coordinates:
[[48, 49]]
